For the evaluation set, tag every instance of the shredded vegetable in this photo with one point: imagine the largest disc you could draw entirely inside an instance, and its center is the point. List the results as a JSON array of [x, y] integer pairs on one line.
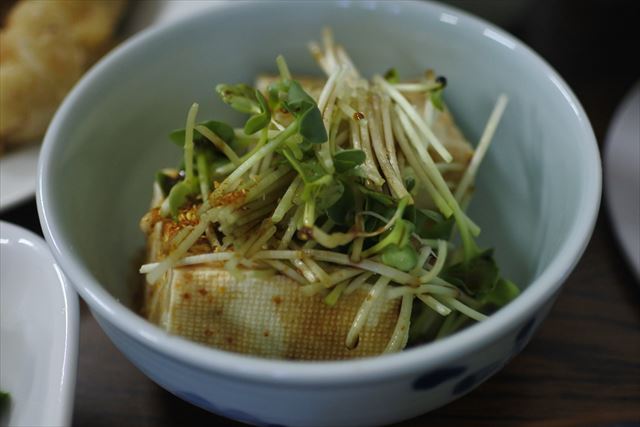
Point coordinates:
[[348, 186]]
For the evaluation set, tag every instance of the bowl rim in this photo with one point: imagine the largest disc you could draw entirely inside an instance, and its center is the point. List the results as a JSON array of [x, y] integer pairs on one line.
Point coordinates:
[[421, 358]]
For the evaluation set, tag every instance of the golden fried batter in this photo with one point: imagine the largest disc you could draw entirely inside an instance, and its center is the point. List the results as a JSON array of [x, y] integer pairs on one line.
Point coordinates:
[[45, 46]]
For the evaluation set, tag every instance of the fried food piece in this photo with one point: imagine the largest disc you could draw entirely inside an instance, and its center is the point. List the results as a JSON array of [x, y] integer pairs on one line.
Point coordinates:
[[45, 47]]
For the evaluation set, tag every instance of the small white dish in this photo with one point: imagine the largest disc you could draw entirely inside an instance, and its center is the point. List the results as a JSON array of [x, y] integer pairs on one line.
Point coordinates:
[[622, 176], [38, 332], [18, 175]]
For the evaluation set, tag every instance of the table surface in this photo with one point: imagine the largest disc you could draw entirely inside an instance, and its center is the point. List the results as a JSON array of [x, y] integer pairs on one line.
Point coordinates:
[[583, 365]]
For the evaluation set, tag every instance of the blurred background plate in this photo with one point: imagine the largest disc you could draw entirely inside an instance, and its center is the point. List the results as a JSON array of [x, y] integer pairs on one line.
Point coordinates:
[[622, 176]]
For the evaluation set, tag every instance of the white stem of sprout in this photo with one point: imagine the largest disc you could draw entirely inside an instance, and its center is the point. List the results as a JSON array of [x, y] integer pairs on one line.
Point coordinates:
[[326, 227], [416, 87], [379, 146], [191, 260], [233, 179], [219, 144], [398, 291], [434, 175], [411, 112], [394, 274], [317, 54], [481, 149], [266, 163], [267, 183], [303, 268], [435, 305], [291, 228], [388, 134], [439, 265], [286, 270], [262, 240], [253, 215], [357, 283], [286, 202], [345, 60], [170, 260], [188, 141], [400, 334], [419, 170], [365, 141], [462, 308], [328, 44], [328, 89], [322, 275], [425, 251], [360, 320], [343, 274]]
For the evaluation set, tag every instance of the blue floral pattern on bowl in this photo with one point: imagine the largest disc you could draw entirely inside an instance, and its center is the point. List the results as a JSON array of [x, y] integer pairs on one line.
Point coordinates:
[[472, 380], [523, 335]]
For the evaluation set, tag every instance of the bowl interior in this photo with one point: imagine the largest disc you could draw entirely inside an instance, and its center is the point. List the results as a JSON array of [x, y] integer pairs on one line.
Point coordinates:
[[111, 135]]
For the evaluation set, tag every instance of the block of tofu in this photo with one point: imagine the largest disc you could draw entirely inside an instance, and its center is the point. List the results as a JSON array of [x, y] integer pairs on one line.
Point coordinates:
[[269, 318], [266, 317]]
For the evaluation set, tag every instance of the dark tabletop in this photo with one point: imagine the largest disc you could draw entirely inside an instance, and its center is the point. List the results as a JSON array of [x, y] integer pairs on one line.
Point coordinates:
[[582, 368]]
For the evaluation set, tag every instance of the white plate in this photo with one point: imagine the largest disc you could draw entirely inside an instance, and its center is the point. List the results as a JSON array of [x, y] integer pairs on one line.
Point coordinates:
[[18, 168], [38, 332], [622, 176], [18, 175]]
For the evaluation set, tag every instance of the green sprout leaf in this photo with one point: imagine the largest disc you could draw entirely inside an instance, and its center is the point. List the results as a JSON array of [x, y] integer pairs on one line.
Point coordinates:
[[392, 75], [178, 196], [5, 400], [240, 97], [223, 130], [312, 127], [477, 276], [309, 170], [504, 292], [166, 179], [346, 160], [304, 109], [398, 235], [260, 120], [342, 211], [329, 194], [298, 101], [432, 225], [376, 196], [403, 258], [436, 99]]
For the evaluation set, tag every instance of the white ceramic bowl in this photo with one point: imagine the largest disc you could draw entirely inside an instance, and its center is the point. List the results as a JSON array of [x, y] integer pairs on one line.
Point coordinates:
[[537, 201], [38, 332]]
